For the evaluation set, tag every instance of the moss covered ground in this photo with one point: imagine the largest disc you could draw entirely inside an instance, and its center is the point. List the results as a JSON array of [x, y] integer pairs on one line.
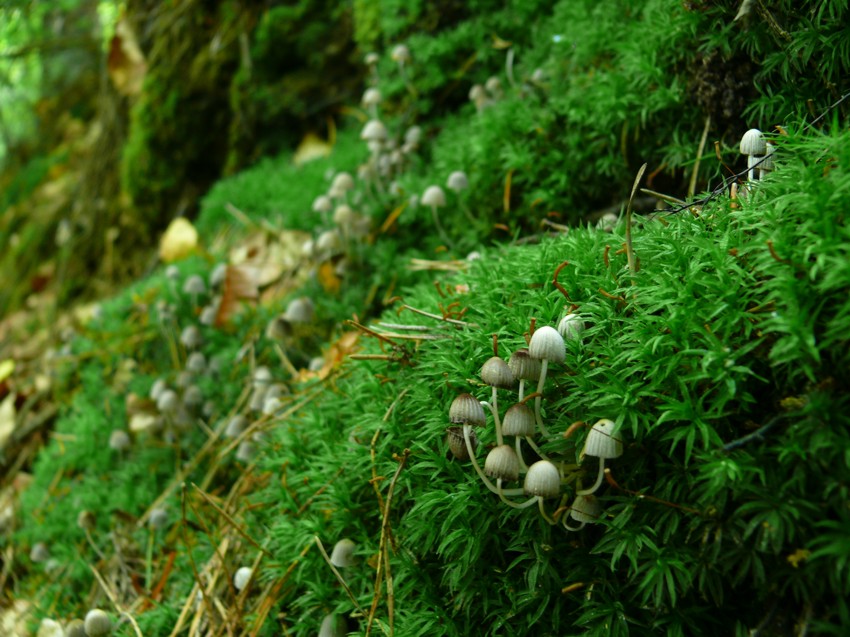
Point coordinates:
[[314, 406]]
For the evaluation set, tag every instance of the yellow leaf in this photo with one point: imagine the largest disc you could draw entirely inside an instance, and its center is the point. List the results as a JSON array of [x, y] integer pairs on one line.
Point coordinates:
[[311, 147], [6, 368], [7, 419], [179, 241], [328, 279]]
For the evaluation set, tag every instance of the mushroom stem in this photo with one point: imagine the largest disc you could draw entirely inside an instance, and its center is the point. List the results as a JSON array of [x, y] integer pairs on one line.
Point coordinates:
[[598, 482], [521, 389], [484, 478], [495, 409], [522, 466], [539, 398], [543, 511], [537, 450], [751, 162], [443, 236], [571, 528], [516, 505]]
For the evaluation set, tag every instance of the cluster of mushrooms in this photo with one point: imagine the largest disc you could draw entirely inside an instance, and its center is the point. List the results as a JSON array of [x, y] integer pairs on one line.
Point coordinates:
[[545, 479]]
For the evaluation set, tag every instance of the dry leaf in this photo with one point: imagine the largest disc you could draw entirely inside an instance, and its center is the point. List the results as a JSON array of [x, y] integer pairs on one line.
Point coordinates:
[[6, 368], [179, 241], [240, 284], [344, 346], [7, 418], [327, 277], [311, 147], [126, 62]]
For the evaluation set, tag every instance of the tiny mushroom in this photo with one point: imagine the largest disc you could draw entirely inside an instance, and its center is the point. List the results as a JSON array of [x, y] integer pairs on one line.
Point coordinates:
[[546, 345], [601, 443], [242, 577], [753, 145], [434, 197]]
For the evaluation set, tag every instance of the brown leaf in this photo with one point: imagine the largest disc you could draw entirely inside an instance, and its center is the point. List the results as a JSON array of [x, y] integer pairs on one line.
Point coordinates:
[[126, 62], [240, 284]]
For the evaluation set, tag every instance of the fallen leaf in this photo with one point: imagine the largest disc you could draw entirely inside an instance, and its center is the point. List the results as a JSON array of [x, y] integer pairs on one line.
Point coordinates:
[[311, 147], [7, 418], [179, 241], [126, 62], [6, 368], [240, 284], [328, 279]]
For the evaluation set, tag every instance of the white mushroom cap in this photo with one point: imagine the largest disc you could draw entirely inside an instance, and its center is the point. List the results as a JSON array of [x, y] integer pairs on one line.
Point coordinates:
[[465, 409], [194, 285], [547, 344], [496, 373], [502, 462], [413, 135], [158, 518], [235, 426], [585, 508], [119, 440], [542, 479], [300, 310], [518, 421], [343, 215], [371, 58], [342, 182], [241, 577], [371, 97], [400, 54], [332, 626], [322, 203], [601, 441], [374, 131], [342, 555], [457, 181], [753, 143], [433, 196], [98, 623], [524, 366], [571, 327], [328, 242], [191, 337], [477, 93]]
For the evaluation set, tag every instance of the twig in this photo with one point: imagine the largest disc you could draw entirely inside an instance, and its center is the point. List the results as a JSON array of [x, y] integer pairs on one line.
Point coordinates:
[[383, 553], [233, 522], [557, 284], [693, 183], [758, 434], [437, 317], [630, 253], [609, 477]]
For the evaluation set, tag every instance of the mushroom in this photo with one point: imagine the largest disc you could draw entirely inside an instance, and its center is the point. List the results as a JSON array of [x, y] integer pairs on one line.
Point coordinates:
[[370, 100], [571, 327], [343, 554], [752, 145], [546, 345], [602, 444], [323, 205], [585, 509], [519, 421], [542, 481], [767, 165], [242, 577], [498, 375], [332, 626], [435, 198], [524, 368], [97, 623]]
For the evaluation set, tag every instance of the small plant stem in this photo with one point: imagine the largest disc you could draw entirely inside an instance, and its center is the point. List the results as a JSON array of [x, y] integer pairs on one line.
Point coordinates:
[[543, 511], [571, 528], [515, 505], [599, 476], [440, 230], [522, 466], [149, 560], [539, 399], [484, 479], [495, 409], [536, 449], [630, 253]]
